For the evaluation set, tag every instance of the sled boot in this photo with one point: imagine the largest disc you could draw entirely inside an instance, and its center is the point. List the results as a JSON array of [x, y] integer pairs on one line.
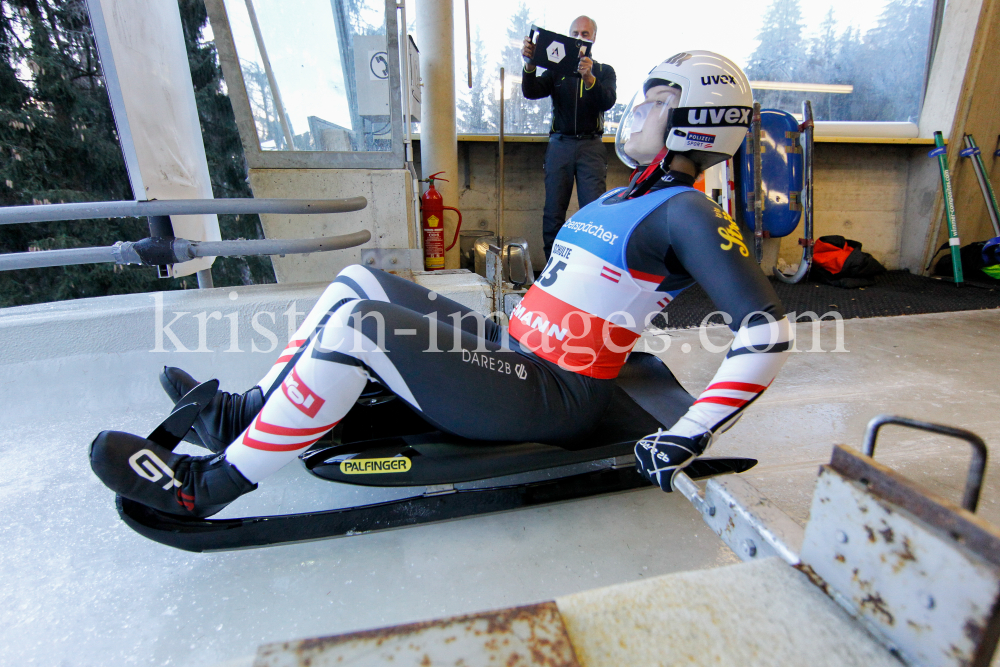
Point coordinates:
[[223, 419], [141, 470]]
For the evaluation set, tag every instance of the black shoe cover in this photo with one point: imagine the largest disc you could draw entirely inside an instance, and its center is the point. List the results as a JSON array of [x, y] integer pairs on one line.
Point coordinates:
[[140, 470], [224, 418], [661, 455]]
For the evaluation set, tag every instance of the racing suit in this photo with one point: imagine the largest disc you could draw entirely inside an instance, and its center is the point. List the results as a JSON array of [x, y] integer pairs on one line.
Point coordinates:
[[616, 264]]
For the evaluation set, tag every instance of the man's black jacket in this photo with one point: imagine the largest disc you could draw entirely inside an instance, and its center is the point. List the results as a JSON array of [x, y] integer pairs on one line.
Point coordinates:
[[575, 110]]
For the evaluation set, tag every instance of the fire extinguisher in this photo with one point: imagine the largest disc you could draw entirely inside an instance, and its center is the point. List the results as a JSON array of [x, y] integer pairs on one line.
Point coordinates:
[[432, 221]]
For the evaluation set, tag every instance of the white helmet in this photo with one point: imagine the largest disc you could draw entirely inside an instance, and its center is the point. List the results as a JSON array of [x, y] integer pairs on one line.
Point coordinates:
[[697, 103]]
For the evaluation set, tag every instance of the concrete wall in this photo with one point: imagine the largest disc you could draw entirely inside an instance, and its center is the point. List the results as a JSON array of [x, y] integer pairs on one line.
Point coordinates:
[[388, 216], [977, 114], [524, 191], [961, 97], [860, 192]]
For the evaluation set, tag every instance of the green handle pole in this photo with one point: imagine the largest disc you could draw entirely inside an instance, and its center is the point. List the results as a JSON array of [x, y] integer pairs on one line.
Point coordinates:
[[949, 208], [984, 182]]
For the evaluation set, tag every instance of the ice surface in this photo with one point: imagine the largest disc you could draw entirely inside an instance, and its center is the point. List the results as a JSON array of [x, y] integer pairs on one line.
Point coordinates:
[[80, 588]]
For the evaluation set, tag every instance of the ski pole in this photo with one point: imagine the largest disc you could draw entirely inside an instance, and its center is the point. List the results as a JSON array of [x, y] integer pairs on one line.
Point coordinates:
[[972, 151], [949, 206]]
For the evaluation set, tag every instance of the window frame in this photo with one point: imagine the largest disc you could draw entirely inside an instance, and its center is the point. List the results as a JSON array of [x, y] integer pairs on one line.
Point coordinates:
[[283, 159]]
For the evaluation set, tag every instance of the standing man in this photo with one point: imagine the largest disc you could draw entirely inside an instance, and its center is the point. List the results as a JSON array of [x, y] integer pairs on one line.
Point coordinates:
[[575, 146]]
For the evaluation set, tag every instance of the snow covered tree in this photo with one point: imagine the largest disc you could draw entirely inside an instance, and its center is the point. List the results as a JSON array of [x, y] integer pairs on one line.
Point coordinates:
[[886, 65], [59, 145], [890, 76], [521, 116], [476, 106], [781, 51]]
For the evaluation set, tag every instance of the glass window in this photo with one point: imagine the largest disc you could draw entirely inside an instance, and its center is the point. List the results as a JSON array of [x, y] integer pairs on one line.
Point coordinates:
[[316, 72], [857, 60]]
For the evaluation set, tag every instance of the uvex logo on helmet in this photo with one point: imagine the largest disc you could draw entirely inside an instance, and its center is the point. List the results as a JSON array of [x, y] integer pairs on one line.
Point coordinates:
[[715, 80], [711, 116]]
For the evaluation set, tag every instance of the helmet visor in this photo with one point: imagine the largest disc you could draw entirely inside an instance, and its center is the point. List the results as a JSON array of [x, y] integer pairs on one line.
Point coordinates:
[[643, 128]]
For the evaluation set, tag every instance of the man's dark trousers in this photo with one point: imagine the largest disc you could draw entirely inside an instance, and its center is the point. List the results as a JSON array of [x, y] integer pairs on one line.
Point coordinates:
[[567, 157]]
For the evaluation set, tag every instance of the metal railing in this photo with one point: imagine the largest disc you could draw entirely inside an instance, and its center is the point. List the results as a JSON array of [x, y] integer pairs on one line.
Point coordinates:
[[161, 249]]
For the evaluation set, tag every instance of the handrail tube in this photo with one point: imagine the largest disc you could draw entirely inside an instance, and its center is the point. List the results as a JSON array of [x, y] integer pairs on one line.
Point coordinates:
[[66, 257], [126, 252], [270, 246], [11, 215]]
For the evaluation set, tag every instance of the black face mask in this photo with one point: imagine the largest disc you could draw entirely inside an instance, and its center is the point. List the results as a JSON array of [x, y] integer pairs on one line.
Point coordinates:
[[659, 178]]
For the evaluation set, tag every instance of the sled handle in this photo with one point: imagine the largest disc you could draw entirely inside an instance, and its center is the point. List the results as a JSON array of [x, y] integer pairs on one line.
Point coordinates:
[[977, 467]]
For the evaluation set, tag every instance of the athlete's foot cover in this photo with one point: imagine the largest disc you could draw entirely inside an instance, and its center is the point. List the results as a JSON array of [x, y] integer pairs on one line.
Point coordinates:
[[223, 419], [140, 470], [661, 455]]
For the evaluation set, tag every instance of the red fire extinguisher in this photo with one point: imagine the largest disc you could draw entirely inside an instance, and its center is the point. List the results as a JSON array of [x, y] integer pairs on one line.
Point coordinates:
[[432, 210]]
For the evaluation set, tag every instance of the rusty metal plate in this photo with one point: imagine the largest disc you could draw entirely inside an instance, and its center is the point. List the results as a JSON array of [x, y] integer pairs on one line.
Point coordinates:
[[515, 637], [751, 525], [975, 533], [929, 598]]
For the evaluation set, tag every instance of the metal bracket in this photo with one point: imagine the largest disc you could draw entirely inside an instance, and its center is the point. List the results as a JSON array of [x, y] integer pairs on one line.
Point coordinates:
[[626, 461], [917, 571], [794, 146], [393, 259], [439, 489], [747, 522], [795, 201], [914, 569]]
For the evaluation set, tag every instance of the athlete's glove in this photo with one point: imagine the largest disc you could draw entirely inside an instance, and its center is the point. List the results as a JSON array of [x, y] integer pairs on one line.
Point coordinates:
[[661, 455]]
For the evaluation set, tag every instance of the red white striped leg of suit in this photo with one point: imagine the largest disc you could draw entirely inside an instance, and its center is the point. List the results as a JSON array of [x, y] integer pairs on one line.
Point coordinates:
[[295, 415], [354, 276], [754, 359], [312, 398]]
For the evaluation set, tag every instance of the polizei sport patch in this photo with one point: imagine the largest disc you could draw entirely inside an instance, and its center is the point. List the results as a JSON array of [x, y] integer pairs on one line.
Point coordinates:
[[699, 140], [711, 117], [375, 466]]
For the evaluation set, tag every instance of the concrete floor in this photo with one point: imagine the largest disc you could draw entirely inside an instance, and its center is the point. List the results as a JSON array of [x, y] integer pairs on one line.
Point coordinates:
[[80, 588]]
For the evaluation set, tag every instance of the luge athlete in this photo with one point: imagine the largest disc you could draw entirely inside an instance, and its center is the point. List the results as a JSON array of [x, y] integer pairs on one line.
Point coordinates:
[[549, 378]]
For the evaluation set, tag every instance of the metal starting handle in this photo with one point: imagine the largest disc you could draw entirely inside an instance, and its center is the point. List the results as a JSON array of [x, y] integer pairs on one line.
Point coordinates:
[[159, 251], [977, 467]]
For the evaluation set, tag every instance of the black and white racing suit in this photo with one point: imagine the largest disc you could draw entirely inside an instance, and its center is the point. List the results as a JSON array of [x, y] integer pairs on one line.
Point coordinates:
[[615, 264]]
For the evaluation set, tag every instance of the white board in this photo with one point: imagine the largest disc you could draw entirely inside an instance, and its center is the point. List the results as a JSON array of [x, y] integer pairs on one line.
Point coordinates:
[[141, 45]]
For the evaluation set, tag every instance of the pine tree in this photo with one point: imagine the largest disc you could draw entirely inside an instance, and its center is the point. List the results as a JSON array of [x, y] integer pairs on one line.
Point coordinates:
[[892, 71], [522, 116], [849, 53], [58, 141], [780, 54], [475, 105], [59, 145]]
